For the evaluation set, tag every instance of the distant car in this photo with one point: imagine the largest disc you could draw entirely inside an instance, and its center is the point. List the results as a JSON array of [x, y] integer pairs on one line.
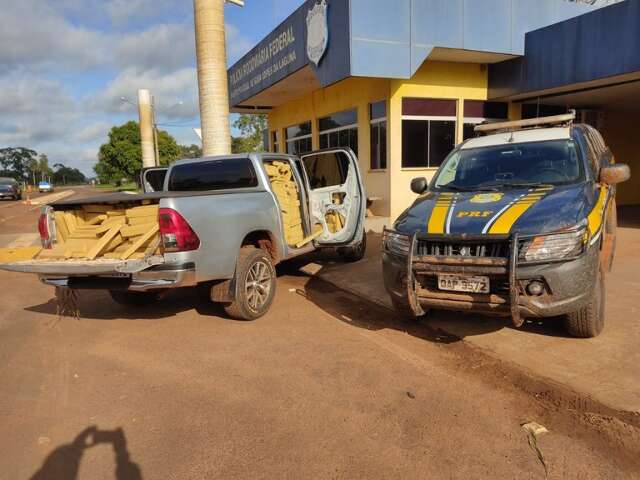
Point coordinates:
[[45, 187], [9, 188]]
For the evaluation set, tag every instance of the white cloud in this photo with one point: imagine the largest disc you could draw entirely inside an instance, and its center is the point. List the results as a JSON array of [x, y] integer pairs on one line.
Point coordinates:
[[169, 89], [48, 48], [34, 35], [165, 47], [123, 12], [34, 109], [237, 43]]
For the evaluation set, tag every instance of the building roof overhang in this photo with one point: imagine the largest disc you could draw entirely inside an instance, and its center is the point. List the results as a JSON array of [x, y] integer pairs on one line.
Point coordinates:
[[578, 55], [367, 38]]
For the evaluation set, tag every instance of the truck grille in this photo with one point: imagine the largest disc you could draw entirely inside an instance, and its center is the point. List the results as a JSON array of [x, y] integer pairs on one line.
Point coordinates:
[[445, 248]]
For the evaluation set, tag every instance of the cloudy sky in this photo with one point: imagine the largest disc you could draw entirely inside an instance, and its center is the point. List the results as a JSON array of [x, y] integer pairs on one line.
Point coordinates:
[[65, 64]]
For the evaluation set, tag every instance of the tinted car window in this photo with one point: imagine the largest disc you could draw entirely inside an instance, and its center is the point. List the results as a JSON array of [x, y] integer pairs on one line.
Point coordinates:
[[213, 175], [326, 169], [155, 179]]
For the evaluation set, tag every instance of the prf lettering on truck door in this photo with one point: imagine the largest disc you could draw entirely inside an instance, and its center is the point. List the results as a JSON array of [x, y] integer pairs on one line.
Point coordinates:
[[475, 214]]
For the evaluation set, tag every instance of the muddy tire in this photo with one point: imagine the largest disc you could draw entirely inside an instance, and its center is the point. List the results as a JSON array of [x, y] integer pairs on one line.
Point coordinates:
[[588, 322], [134, 299], [255, 285], [356, 252]]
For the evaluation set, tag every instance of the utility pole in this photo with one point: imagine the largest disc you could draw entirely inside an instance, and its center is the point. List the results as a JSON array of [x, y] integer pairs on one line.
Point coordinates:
[[146, 128], [212, 75], [155, 131]]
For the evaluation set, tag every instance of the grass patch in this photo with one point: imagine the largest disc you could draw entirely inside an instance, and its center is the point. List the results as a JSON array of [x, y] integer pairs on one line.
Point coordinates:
[[125, 187]]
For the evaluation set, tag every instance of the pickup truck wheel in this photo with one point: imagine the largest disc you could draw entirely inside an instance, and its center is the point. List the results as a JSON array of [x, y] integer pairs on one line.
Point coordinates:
[[255, 285], [134, 299], [588, 322], [356, 252]]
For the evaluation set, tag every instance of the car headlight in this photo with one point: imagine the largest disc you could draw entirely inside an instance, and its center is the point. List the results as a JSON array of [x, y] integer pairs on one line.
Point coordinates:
[[554, 247], [396, 243]]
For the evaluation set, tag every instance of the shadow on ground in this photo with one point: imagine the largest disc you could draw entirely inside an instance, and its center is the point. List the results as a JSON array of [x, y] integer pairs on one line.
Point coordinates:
[[98, 305], [355, 311], [63, 463], [440, 323]]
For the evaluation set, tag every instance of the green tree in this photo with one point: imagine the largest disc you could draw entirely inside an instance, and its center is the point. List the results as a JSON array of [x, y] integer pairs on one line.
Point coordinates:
[[18, 162], [190, 151], [64, 175], [121, 156], [43, 167], [251, 127]]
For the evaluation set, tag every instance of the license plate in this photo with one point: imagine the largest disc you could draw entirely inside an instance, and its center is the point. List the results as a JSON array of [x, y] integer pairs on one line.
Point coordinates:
[[463, 283]]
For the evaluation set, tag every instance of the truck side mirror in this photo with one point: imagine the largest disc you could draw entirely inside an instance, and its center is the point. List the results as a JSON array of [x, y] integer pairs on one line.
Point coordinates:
[[419, 185], [614, 174]]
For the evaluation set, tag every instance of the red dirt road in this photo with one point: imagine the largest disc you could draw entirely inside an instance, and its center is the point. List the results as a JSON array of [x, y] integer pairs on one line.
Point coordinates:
[[324, 386], [312, 390]]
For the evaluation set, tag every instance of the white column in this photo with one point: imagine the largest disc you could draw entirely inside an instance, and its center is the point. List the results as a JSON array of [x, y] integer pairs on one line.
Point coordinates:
[[212, 76], [146, 129]]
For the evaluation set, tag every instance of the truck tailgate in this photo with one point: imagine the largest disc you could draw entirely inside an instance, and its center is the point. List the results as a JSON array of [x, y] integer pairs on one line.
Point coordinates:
[[101, 266]]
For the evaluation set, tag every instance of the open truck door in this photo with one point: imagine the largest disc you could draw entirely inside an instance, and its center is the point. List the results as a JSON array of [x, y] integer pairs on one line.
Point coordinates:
[[152, 179], [336, 197]]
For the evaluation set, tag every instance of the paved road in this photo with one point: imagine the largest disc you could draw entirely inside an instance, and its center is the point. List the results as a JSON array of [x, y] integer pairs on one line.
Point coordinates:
[[19, 220], [324, 386]]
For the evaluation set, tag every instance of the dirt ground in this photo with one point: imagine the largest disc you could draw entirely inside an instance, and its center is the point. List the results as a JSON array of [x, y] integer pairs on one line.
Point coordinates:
[[324, 386]]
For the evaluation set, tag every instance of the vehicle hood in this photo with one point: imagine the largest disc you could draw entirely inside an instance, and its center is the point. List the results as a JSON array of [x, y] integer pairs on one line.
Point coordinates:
[[5, 188], [527, 211]]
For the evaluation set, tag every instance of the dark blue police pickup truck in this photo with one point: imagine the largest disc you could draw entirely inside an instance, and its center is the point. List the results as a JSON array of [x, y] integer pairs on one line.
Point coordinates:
[[518, 222]]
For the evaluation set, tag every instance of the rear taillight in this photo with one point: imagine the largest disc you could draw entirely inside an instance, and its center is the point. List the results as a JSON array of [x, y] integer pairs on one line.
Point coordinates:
[[177, 235], [43, 228]]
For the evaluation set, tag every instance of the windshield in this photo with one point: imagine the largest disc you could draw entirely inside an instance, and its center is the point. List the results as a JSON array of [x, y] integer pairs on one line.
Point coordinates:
[[554, 162]]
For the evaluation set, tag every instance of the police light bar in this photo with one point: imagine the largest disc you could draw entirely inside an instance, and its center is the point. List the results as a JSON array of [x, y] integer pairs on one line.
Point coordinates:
[[566, 119]]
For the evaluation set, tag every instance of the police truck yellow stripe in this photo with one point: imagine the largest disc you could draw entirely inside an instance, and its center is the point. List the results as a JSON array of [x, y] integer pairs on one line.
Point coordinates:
[[597, 214], [438, 218], [503, 224]]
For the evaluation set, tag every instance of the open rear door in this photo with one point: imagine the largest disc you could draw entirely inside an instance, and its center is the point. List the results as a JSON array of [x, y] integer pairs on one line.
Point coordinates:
[[152, 179], [336, 196]]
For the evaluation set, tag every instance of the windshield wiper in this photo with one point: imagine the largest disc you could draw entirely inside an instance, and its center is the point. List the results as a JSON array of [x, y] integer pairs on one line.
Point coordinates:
[[458, 188], [525, 185]]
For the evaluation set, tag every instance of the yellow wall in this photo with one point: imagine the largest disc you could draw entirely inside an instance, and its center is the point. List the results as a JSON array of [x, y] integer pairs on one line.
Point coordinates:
[[458, 81], [348, 94], [619, 132]]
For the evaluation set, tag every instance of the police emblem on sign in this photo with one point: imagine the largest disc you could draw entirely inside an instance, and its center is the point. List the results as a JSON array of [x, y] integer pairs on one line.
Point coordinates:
[[317, 32]]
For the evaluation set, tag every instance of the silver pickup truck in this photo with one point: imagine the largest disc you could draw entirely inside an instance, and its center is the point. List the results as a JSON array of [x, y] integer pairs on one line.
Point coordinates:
[[224, 222]]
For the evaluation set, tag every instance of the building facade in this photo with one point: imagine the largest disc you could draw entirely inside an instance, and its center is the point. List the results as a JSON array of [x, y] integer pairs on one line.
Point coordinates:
[[403, 82]]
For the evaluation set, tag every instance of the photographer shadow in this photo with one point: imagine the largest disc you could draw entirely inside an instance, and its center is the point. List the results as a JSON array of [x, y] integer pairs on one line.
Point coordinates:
[[63, 463]]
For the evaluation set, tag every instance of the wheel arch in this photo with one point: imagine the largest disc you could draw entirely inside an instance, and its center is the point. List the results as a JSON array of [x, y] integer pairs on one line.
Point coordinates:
[[264, 240]]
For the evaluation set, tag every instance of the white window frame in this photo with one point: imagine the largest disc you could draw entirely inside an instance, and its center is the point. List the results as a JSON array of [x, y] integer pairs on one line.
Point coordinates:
[[429, 118], [376, 121], [287, 141], [335, 130], [275, 139]]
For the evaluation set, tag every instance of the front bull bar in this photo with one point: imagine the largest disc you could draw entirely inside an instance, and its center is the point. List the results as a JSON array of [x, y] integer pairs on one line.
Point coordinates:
[[514, 293]]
